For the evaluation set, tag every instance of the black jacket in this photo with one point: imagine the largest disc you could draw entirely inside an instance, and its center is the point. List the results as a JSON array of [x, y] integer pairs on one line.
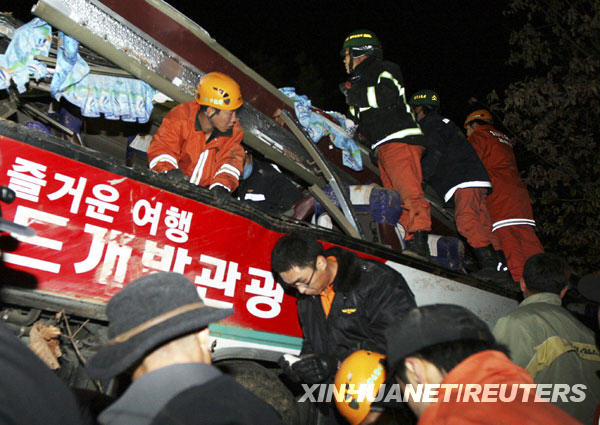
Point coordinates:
[[368, 295], [450, 161], [268, 189], [377, 99]]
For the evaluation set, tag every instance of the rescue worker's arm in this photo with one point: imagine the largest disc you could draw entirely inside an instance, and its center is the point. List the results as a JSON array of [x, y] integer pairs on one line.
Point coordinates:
[[165, 148], [516, 337], [230, 163]]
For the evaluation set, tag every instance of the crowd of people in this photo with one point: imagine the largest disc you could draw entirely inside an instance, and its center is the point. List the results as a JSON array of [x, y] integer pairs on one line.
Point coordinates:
[[158, 325]]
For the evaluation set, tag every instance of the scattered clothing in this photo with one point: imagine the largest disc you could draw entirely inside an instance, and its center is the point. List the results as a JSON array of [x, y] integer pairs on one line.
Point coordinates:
[[555, 348], [127, 99], [18, 63], [317, 127]]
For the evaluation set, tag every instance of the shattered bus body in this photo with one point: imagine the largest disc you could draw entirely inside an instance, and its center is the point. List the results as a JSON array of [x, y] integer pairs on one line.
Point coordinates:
[[99, 223]]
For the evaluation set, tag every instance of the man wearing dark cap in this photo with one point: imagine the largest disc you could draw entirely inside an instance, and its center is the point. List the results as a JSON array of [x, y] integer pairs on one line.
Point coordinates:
[[447, 347], [543, 336], [158, 333]]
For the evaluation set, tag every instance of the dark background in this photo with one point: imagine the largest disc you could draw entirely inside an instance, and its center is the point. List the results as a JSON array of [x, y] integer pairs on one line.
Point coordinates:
[[457, 48]]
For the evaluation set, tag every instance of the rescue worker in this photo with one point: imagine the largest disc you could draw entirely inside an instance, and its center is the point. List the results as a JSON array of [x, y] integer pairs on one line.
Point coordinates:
[[158, 333], [452, 167], [200, 140], [543, 337], [345, 303], [473, 381], [376, 98], [508, 204]]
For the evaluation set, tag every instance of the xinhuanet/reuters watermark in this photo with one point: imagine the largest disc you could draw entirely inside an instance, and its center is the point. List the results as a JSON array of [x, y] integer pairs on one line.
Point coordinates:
[[460, 393]]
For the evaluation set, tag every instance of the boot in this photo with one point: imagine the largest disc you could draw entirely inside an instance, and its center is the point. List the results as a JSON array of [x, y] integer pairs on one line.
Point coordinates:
[[418, 246], [502, 262], [491, 266]]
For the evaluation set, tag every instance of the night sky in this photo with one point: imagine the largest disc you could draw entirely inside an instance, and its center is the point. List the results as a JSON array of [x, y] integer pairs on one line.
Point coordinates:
[[457, 48]]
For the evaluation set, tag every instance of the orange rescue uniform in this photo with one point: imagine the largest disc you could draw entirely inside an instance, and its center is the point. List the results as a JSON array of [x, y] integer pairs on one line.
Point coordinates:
[[508, 204], [181, 143]]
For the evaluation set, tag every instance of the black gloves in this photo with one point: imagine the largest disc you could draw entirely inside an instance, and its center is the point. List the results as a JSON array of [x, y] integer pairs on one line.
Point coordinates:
[[220, 195], [309, 369], [176, 175]]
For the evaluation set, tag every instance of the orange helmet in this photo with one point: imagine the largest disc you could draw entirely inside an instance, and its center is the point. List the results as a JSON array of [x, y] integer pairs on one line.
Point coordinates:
[[480, 114], [358, 379], [219, 91]]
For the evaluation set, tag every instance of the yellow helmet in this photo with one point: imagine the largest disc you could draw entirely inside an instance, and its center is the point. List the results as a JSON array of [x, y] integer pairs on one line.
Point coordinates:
[[359, 379], [480, 114], [219, 91]]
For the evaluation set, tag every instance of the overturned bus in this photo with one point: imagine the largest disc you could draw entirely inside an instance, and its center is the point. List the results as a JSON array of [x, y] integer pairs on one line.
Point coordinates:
[[101, 220]]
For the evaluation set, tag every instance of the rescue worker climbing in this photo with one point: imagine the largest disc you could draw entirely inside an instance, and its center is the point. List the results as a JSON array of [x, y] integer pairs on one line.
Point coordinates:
[[452, 167], [509, 204], [200, 140], [376, 98]]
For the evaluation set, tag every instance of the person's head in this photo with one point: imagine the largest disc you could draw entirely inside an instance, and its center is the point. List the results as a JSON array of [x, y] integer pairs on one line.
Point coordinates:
[[219, 97], [477, 118], [423, 102], [298, 262], [156, 320], [545, 273], [429, 341], [358, 46]]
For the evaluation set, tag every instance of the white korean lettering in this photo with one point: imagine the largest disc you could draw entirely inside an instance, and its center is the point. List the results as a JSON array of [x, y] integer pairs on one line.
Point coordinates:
[[178, 223], [27, 178], [144, 213], [104, 194], [26, 216], [68, 188], [267, 293]]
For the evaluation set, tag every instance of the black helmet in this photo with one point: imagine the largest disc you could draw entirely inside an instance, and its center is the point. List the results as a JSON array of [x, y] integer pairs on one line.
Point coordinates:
[[425, 98], [361, 42]]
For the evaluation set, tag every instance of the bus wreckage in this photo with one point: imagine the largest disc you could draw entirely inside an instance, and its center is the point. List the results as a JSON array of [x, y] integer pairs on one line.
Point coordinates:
[[81, 219]]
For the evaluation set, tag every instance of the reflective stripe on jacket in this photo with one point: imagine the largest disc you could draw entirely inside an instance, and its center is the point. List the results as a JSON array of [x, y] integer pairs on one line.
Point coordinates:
[[377, 99], [178, 143]]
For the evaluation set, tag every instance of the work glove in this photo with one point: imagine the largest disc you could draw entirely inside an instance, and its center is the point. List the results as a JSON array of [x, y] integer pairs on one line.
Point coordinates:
[[309, 368], [176, 175], [220, 195]]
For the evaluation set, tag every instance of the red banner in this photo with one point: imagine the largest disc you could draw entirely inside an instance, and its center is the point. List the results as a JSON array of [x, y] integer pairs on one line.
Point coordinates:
[[96, 231]]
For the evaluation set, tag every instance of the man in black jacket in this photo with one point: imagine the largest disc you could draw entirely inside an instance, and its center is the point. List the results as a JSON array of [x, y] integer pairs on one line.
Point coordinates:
[[452, 167], [376, 98], [345, 302]]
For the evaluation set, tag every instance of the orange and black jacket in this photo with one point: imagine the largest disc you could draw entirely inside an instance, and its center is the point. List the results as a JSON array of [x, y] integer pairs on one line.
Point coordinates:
[[368, 296], [376, 98]]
